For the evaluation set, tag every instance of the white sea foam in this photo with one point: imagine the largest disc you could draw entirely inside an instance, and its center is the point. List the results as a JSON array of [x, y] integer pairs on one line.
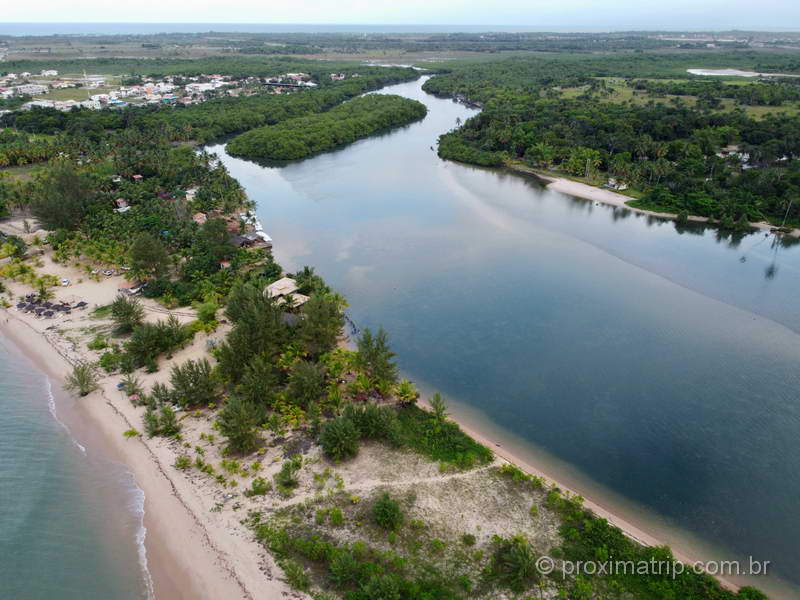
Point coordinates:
[[51, 404], [137, 506]]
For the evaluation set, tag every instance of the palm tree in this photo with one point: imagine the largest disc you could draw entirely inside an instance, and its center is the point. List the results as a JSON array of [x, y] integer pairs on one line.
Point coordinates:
[[82, 380], [438, 407]]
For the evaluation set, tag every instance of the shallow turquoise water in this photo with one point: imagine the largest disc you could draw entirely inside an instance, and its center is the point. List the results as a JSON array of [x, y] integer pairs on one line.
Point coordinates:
[[69, 519], [663, 365]]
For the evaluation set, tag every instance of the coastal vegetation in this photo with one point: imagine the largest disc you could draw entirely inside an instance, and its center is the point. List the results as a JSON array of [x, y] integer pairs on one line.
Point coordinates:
[[82, 380], [301, 137], [267, 377], [200, 122], [698, 156]]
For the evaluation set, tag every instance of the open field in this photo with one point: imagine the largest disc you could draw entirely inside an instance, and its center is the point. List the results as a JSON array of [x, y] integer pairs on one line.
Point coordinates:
[[74, 93], [619, 92]]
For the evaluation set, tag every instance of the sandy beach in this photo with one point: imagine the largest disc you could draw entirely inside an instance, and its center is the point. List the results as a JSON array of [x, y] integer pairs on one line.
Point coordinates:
[[611, 198], [191, 552], [195, 550]]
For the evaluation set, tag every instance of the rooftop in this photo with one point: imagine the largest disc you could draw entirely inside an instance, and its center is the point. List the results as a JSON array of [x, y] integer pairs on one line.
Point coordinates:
[[284, 285]]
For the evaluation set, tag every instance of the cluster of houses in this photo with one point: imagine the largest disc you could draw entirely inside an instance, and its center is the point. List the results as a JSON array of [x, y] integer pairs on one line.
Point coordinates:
[[25, 84], [28, 84], [168, 90], [245, 230], [342, 76]]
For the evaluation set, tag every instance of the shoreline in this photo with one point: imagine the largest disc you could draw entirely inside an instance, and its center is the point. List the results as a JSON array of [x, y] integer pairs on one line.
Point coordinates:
[[188, 556], [593, 193], [192, 552], [635, 532], [184, 556]]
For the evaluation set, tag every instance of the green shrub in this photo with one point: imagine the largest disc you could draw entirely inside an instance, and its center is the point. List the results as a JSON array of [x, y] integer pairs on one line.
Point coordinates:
[[296, 575], [193, 383], [374, 422], [339, 439], [207, 312], [514, 563], [306, 383], [151, 424], [127, 314], [183, 462], [98, 343], [344, 568], [164, 423], [168, 422], [238, 422], [259, 487], [468, 539], [287, 478], [382, 587], [440, 440], [336, 517], [387, 513], [109, 361], [82, 380]]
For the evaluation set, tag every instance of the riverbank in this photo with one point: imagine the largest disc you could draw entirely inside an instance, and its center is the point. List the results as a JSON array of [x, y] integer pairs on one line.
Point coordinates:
[[611, 198], [636, 532], [194, 551]]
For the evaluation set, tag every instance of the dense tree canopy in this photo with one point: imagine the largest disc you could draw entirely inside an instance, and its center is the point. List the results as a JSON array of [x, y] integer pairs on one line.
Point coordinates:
[[304, 136], [64, 198], [725, 164]]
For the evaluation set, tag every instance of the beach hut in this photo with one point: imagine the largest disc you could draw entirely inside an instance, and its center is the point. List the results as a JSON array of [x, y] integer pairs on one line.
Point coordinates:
[[281, 287], [285, 289]]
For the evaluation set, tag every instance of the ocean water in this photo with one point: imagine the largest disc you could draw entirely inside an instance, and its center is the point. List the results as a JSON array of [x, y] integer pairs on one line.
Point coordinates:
[[657, 363], [36, 29], [70, 519]]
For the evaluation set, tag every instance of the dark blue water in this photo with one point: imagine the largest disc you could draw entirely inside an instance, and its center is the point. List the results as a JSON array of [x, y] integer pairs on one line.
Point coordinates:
[[70, 520], [663, 365]]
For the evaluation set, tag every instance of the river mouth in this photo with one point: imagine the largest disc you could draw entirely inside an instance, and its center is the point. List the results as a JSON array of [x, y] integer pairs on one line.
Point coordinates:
[[658, 363]]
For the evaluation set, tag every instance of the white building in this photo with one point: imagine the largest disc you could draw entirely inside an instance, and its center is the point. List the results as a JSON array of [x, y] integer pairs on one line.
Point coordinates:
[[30, 89], [49, 73]]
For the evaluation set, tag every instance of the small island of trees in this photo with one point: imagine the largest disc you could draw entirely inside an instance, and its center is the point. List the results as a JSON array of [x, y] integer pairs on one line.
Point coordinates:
[[301, 137]]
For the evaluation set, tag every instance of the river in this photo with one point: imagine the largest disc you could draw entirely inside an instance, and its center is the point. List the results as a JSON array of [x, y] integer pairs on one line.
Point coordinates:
[[652, 368]]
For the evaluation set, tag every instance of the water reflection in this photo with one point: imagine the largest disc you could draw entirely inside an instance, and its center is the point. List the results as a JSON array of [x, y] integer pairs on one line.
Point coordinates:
[[645, 354]]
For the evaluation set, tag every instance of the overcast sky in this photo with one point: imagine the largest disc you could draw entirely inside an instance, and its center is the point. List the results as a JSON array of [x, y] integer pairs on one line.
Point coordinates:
[[608, 14]]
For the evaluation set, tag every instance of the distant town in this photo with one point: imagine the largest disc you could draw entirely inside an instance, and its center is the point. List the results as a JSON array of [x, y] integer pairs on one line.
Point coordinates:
[[120, 92]]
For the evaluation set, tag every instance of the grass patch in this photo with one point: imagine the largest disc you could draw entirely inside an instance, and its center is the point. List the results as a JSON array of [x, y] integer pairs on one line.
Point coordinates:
[[440, 440]]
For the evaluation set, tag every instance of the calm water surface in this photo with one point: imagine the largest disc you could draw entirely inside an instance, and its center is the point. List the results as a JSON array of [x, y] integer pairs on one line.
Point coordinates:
[[660, 364], [70, 521]]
